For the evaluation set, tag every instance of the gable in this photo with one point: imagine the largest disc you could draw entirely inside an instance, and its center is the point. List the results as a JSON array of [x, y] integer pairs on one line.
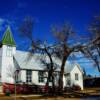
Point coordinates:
[[68, 67], [78, 68]]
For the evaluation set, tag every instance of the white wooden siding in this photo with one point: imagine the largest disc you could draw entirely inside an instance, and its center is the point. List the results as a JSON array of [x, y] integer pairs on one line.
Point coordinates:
[[23, 76], [80, 77], [8, 68]]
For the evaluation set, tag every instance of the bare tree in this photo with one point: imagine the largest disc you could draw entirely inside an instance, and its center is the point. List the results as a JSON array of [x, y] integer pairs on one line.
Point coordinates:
[[38, 46], [26, 28], [84, 73], [63, 49], [64, 34], [94, 45]]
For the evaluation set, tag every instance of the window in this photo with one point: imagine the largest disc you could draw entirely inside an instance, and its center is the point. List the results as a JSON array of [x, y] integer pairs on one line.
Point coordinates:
[[9, 51], [41, 76], [16, 77], [28, 76], [50, 80], [67, 75], [68, 82], [76, 76]]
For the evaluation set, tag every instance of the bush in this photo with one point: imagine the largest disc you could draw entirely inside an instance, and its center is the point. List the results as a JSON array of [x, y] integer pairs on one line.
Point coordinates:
[[76, 87], [67, 89], [7, 93]]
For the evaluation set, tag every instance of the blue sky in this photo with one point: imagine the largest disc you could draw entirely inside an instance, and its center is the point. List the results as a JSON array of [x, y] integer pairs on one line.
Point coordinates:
[[79, 13]]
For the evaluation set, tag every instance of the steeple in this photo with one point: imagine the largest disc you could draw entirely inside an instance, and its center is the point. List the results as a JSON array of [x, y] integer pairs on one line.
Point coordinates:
[[8, 38]]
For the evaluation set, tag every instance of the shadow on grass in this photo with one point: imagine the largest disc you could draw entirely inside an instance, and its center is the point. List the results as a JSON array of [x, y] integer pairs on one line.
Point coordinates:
[[23, 98], [71, 94]]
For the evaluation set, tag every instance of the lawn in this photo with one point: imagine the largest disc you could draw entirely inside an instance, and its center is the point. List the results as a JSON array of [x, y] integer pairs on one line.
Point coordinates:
[[36, 98], [76, 95]]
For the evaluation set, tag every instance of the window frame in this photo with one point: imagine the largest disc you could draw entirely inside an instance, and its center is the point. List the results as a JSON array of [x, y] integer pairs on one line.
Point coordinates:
[[76, 76], [28, 76], [69, 82], [41, 77]]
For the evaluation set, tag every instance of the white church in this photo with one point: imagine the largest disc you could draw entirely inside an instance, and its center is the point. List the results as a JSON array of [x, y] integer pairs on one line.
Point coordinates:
[[31, 71]]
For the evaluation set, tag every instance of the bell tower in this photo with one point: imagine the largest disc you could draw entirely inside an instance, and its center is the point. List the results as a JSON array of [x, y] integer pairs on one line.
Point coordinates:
[[7, 52]]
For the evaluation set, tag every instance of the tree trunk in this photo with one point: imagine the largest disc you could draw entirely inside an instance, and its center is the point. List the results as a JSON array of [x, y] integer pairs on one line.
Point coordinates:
[[50, 72], [62, 73]]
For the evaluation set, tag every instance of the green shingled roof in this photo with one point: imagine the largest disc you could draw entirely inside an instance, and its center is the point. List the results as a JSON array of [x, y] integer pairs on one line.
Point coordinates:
[[8, 38]]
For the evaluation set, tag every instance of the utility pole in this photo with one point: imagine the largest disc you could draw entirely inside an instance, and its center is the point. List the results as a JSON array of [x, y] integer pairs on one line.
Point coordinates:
[[16, 79]]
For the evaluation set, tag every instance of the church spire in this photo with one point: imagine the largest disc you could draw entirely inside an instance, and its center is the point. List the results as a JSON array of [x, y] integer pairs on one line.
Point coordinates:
[[8, 38]]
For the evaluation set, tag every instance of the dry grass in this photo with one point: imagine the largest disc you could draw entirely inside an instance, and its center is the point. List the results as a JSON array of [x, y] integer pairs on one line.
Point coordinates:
[[91, 90], [70, 96], [32, 98]]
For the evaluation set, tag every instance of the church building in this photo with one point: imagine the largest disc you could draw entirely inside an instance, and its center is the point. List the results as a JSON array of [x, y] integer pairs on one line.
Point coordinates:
[[32, 72]]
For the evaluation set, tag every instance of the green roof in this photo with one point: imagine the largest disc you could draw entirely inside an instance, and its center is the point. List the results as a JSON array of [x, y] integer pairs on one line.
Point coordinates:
[[8, 38]]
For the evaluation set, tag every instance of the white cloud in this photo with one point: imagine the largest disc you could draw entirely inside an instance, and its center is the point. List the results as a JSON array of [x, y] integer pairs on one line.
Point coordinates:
[[1, 20]]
